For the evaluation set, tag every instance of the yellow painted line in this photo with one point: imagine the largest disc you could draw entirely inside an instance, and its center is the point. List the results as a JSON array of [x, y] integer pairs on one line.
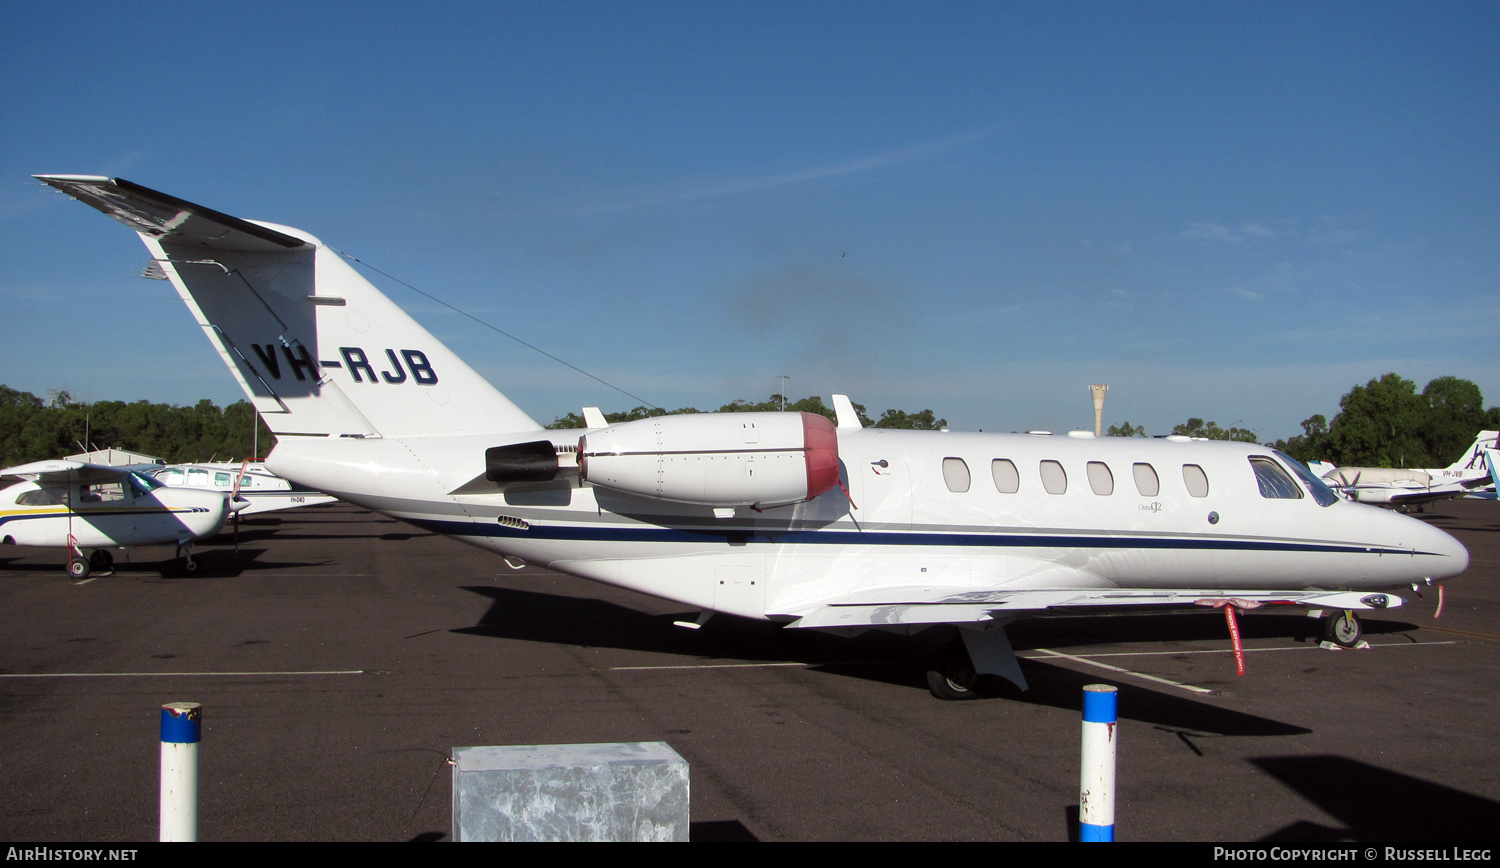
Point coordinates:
[[1485, 636]]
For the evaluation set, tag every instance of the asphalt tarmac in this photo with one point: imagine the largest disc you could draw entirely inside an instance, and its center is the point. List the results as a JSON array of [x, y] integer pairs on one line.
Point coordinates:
[[341, 656]]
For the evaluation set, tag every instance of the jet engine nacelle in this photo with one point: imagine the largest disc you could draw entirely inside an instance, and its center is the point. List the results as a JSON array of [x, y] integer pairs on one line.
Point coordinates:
[[715, 459]]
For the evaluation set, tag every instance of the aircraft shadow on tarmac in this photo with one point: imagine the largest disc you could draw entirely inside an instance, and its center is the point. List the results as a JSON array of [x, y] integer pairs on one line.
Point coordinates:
[[216, 563], [1377, 804], [1207, 625], [875, 656]]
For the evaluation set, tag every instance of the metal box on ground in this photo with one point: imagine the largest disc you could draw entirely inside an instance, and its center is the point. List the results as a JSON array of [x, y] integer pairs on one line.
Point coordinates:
[[632, 791]]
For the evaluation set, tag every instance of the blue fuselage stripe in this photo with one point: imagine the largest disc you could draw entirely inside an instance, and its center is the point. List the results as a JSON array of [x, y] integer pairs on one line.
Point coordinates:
[[577, 533], [102, 513]]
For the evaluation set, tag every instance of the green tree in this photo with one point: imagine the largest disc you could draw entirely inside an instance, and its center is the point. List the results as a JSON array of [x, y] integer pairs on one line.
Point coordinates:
[[1381, 424], [32, 431], [1126, 430], [1455, 415], [1196, 427], [921, 421], [812, 404], [1311, 444]]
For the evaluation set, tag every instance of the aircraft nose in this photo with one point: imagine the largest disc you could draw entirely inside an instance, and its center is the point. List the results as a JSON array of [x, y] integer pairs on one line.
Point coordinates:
[[1446, 557]]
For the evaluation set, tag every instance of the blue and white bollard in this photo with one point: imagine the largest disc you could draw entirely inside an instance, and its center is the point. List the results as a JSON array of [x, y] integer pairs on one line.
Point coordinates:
[[181, 728], [1096, 783]]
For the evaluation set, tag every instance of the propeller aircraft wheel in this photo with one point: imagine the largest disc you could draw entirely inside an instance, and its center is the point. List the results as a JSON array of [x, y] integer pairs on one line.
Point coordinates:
[[1343, 629], [101, 560], [190, 565], [78, 568], [951, 675]]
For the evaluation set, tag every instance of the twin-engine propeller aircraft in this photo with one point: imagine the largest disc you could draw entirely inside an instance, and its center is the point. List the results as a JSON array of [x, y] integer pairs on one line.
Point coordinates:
[[261, 490], [1404, 489], [779, 516], [94, 506]]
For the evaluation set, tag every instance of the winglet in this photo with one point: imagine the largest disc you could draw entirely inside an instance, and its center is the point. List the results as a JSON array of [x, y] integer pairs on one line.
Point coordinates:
[[844, 409]]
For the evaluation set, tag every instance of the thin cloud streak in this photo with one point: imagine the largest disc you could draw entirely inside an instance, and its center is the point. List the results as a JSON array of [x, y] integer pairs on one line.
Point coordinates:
[[646, 196]]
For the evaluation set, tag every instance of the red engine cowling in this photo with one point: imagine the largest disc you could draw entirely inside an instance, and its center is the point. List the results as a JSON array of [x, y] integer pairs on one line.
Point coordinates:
[[715, 459]]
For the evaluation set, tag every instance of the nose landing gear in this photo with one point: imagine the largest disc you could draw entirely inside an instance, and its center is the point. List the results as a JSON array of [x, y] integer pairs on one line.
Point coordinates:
[[1343, 629]]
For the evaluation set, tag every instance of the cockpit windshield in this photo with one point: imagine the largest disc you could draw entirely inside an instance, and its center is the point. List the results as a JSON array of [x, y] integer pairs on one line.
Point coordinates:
[[1319, 489], [147, 483]]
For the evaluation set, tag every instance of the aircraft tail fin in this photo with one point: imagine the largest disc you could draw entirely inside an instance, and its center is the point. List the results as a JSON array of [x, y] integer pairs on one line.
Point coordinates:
[[1474, 455], [317, 349]]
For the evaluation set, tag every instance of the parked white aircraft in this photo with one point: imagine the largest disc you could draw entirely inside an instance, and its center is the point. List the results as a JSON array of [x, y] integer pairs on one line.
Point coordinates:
[[1403, 488], [261, 490], [778, 516], [93, 506]]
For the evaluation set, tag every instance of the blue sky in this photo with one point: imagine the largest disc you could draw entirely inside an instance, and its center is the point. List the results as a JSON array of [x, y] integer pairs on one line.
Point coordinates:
[[1234, 211]]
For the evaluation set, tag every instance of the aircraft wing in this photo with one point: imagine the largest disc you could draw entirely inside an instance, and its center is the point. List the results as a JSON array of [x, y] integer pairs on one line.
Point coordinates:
[[929, 605], [1428, 495], [169, 218], [66, 470]]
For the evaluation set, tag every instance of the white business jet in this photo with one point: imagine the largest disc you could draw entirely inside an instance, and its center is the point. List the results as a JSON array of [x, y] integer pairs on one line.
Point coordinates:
[[779, 516], [94, 506]]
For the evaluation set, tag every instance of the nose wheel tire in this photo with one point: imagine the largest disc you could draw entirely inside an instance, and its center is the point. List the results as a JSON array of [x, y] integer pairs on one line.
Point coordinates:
[[951, 675], [78, 568], [1343, 629]]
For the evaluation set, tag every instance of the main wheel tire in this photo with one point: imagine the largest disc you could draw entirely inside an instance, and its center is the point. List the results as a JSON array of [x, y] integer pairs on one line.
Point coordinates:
[[101, 560], [78, 568], [190, 565], [951, 675], [1343, 629]]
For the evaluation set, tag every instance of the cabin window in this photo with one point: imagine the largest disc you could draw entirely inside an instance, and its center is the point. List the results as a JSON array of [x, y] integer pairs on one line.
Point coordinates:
[[221, 480], [956, 474], [1145, 480], [1100, 479], [1054, 479], [1273, 481], [102, 492], [41, 497], [1195, 479], [171, 477], [1007, 478], [198, 478]]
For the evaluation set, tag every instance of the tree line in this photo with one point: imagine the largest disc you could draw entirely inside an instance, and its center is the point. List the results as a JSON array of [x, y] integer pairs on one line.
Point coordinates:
[[34, 430], [923, 420], [1384, 423]]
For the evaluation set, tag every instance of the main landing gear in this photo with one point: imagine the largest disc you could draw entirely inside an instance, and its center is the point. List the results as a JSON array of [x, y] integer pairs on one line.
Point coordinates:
[[951, 674], [1343, 629], [80, 567]]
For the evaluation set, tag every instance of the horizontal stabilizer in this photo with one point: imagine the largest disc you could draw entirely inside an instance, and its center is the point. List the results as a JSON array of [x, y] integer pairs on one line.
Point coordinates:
[[169, 218]]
